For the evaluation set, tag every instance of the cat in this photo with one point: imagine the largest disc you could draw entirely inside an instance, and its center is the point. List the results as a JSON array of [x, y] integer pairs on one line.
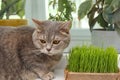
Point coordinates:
[[27, 53]]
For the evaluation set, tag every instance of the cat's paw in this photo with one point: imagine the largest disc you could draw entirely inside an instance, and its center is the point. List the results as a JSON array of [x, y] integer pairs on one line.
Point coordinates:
[[48, 76]]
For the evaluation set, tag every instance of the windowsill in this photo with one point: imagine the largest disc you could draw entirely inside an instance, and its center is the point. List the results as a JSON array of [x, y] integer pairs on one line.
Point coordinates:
[[59, 75]]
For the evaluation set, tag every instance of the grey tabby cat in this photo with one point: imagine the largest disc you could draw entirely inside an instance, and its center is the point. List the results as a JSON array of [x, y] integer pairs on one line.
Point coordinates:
[[27, 53]]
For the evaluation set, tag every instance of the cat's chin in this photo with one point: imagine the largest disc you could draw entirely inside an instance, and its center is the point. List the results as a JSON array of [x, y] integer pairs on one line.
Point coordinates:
[[49, 54]]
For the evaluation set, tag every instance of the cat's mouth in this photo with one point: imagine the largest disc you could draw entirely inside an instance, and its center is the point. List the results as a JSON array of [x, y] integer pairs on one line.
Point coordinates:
[[50, 54]]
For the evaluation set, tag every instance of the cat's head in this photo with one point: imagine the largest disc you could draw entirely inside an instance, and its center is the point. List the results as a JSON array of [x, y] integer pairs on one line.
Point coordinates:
[[51, 37]]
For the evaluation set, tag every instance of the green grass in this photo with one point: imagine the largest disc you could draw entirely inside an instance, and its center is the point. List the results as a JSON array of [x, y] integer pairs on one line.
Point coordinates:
[[93, 59]]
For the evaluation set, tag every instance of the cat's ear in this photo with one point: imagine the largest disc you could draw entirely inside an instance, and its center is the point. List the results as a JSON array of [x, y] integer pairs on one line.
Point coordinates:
[[38, 24], [65, 27]]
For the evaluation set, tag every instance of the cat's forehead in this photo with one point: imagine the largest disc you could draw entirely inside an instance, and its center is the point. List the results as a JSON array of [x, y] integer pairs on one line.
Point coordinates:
[[52, 24], [51, 30]]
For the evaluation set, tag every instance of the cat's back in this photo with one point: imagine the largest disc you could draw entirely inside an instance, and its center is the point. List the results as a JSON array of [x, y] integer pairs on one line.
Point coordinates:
[[4, 29], [15, 30], [11, 35], [5, 32]]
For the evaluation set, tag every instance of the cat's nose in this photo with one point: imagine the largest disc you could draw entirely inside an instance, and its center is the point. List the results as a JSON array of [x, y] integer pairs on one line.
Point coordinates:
[[48, 49]]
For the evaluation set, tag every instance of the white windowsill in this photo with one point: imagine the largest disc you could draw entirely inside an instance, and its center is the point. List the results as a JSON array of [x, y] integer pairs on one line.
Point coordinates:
[[59, 75]]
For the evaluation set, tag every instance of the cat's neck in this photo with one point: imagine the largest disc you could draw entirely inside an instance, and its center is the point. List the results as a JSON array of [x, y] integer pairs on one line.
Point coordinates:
[[57, 57]]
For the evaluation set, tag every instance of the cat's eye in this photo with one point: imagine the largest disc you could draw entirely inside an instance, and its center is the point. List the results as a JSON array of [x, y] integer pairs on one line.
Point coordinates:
[[42, 41], [56, 41]]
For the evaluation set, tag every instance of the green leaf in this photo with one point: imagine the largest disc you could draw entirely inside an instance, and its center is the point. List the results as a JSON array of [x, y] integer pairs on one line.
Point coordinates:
[[53, 3], [20, 8], [111, 6], [12, 7], [101, 21], [64, 9], [107, 2], [61, 5], [50, 3], [92, 18], [84, 8]]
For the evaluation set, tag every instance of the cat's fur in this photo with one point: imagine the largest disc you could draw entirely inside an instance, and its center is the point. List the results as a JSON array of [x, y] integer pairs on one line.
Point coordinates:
[[27, 53]]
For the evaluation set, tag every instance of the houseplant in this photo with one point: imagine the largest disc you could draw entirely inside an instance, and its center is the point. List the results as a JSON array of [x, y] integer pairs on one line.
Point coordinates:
[[62, 10], [12, 7], [101, 12], [106, 14], [92, 63]]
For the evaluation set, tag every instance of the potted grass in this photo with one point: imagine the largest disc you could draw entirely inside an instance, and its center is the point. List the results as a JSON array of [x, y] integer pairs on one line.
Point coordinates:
[[12, 7], [105, 13], [92, 63]]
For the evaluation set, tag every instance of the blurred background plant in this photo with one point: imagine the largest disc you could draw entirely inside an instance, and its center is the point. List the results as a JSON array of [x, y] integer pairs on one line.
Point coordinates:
[[103, 12], [12, 7], [61, 10]]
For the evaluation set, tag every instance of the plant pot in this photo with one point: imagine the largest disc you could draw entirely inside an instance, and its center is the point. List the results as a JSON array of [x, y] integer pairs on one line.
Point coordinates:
[[105, 38], [91, 76], [13, 22]]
